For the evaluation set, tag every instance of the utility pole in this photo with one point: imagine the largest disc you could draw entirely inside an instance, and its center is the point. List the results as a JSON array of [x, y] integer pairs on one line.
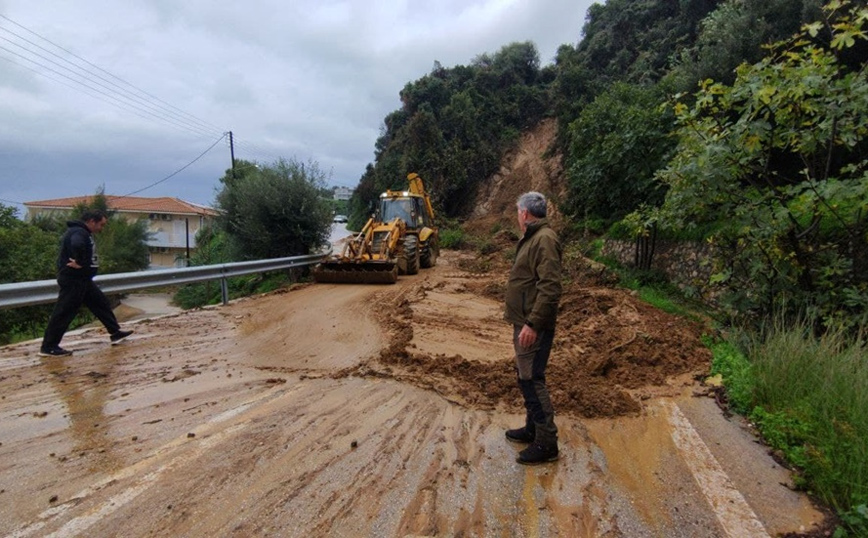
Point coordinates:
[[187, 235], [232, 152]]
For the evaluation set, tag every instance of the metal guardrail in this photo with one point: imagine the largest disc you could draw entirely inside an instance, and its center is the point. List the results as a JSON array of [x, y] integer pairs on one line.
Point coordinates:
[[45, 291]]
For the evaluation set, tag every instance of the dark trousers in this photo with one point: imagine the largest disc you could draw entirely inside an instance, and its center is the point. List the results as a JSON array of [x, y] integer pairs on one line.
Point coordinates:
[[530, 366], [73, 294]]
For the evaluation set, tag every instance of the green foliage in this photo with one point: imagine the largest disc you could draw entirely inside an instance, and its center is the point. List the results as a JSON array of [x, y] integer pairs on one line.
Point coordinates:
[[26, 253], [667, 299], [856, 520], [808, 396], [269, 212], [618, 143], [213, 248], [822, 382], [788, 431], [735, 369], [123, 246], [54, 223], [735, 33], [778, 160], [338, 207], [637, 40], [274, 211], [9, 217], [452, 237]]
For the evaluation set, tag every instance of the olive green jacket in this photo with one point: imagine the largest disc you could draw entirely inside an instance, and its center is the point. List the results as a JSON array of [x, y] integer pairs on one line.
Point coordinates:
[[534, 286]]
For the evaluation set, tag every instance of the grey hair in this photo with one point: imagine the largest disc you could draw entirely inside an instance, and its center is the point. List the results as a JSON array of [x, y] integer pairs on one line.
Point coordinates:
[[534, 202]]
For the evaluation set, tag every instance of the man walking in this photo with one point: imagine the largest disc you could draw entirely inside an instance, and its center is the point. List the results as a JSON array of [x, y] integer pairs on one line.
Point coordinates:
[[532, 294], [77, 264]]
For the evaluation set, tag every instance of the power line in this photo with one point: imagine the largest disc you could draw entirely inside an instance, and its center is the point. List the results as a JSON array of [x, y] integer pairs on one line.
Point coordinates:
[[179, 170], [122, 95], [90, 91], [137, 94], [119, 101], [254, 150], [176, 172]]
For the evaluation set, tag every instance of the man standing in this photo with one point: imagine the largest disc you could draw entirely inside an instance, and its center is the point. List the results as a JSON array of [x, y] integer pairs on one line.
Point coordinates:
[[532, 295], [77, 264]]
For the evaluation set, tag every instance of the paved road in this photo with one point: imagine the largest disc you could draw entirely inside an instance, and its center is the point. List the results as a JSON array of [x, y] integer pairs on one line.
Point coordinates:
[[277, 416]]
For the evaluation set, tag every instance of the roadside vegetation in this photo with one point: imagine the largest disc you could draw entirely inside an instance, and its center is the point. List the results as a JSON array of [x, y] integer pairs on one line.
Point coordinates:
[[266, 211], [807, 395]]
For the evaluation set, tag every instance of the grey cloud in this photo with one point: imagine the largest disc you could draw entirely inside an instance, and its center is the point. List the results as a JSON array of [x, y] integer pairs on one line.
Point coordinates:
[[304, 79]]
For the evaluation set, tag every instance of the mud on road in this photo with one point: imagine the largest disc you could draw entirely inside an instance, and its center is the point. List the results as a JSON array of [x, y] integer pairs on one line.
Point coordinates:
[[345, 410]]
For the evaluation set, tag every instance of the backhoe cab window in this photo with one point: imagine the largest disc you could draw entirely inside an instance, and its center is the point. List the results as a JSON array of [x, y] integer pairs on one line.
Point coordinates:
[[403, 209]]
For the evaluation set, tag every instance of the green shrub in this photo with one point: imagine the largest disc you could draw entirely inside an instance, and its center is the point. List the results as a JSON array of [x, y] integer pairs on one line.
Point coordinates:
[[735, 369], [451, 238]]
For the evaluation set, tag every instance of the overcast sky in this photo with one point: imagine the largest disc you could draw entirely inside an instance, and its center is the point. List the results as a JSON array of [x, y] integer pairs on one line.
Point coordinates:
[[122, 94]]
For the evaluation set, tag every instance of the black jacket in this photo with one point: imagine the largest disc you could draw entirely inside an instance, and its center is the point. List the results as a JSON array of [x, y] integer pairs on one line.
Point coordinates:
[[77, 243]]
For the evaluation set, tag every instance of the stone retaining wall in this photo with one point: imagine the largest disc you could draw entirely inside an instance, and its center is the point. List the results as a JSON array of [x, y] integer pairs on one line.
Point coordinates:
[[687, 264]]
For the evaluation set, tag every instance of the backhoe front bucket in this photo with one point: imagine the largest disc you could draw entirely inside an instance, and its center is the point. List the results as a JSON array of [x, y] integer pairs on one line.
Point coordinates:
[[356, 272]]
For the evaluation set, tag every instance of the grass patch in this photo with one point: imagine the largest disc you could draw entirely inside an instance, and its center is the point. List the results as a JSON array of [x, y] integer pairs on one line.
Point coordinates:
[[667, 301], [808, 396], [654, 288], [452, 238]]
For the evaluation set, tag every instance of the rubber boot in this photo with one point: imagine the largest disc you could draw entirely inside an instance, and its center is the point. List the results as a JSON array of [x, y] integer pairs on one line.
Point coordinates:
[[543, 449]]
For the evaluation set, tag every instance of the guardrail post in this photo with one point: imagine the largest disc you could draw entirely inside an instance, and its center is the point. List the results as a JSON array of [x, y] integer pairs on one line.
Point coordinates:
[[224, 290]]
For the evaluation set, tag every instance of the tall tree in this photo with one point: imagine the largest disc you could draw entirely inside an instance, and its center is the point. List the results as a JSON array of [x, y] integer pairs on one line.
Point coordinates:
[[735, 33], [617, 145], [274, 211]]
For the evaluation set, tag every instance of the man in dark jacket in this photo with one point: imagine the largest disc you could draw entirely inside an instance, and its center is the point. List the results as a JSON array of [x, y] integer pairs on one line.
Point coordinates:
[[532, 294], [77, 264]]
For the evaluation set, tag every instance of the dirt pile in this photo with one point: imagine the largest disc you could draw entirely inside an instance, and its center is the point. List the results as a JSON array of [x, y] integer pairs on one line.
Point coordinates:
[[611, 350]]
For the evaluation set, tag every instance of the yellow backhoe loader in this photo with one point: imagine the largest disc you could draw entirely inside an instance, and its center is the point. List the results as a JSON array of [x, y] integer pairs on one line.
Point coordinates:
[[398, 239]]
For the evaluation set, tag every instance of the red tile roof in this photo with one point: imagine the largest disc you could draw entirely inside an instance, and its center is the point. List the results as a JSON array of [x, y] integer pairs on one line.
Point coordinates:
[[131, 204]]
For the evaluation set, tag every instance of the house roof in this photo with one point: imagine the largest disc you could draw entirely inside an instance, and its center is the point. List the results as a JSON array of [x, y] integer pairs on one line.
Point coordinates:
[[135, 204]]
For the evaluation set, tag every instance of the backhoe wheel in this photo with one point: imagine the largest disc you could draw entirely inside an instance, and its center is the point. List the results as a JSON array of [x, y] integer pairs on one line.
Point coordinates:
[[411, 254], [428, 253]]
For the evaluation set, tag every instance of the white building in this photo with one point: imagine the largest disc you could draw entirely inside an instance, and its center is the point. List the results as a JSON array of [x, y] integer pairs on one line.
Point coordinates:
[[343, 193], [173, 223]]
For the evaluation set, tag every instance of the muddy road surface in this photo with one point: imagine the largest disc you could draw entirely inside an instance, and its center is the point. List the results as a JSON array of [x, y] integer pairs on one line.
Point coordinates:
[[351, 410]]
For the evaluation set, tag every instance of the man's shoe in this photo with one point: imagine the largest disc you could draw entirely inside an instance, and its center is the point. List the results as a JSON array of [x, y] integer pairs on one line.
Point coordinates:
[[56, 351], [520, 435], [536, 454], [120, 336]]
